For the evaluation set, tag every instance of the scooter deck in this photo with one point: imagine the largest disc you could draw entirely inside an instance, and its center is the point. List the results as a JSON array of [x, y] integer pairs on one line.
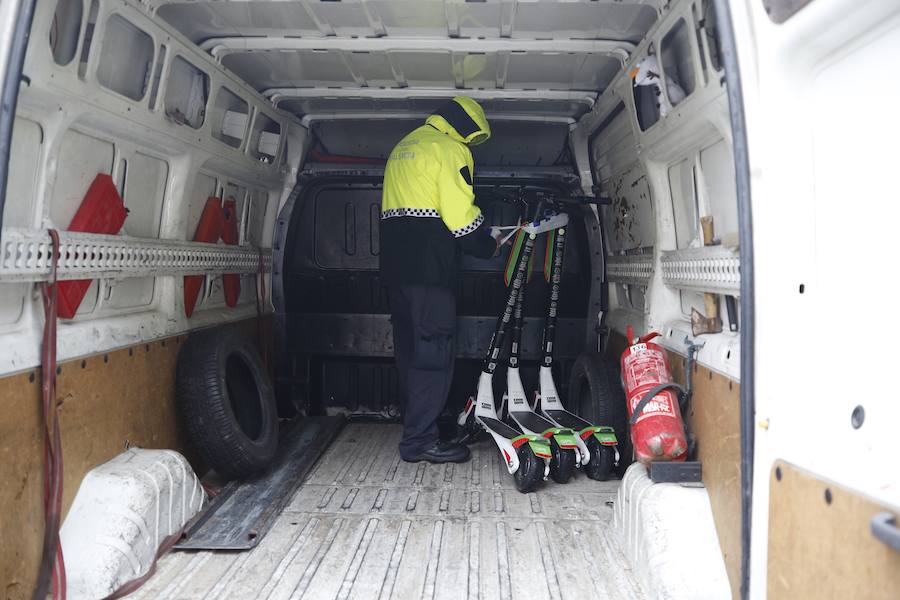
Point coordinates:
[[533, 422], [567, 419], [499, 427]]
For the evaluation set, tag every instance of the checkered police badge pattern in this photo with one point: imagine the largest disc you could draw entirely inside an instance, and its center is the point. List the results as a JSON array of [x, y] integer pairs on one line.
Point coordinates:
[[411, 212], [469, 228]]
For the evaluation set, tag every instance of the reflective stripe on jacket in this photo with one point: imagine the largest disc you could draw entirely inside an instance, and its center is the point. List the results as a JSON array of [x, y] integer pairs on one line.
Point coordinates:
[[428, 212]]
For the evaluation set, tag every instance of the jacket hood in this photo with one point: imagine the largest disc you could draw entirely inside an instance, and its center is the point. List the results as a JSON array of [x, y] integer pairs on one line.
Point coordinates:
[[462, 119]]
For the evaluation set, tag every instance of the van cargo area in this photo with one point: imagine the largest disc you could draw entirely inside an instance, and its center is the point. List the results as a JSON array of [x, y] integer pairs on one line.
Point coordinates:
[[367, 525], [667, 382]]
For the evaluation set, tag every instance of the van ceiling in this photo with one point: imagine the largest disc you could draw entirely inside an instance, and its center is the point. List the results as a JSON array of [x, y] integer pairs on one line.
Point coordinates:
[[359, 59], [532, 143]]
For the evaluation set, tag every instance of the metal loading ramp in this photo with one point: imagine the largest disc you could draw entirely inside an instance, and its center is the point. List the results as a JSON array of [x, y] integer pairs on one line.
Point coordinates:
[[367, 525]]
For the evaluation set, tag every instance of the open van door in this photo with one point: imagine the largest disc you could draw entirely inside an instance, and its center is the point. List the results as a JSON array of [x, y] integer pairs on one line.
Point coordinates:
[[15, 26], [821, 151]]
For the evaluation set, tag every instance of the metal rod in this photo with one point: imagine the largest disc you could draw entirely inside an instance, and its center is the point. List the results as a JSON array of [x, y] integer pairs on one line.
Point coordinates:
[[220, 47]]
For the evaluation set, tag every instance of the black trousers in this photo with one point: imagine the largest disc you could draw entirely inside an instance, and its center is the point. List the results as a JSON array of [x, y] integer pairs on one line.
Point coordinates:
[[424, 321]]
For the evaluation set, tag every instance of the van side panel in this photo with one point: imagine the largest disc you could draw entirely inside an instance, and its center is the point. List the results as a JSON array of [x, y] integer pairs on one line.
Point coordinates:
[[714, 418], [107, 403]]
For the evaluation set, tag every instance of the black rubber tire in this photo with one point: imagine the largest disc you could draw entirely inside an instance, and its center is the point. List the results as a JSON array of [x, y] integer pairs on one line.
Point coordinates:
[[562, 462], [530, 472], [603, 460], [227, 403], [596, 393]]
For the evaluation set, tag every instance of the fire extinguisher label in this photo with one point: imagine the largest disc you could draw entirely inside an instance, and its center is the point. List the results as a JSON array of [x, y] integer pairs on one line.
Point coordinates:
[[645, 367], [661, 404]]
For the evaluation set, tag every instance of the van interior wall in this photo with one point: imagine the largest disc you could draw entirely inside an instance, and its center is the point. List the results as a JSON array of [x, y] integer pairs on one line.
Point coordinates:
[[666, 161], [338, 333], [107, 403], [108, 89], [187, 131], [714, 418]]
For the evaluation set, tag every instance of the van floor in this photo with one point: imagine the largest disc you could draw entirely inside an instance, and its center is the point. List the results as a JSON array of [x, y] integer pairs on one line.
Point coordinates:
[[365, 524]]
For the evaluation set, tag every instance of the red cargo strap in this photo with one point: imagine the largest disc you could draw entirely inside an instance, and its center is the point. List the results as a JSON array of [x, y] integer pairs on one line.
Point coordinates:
[[132, 586], [52, 565]]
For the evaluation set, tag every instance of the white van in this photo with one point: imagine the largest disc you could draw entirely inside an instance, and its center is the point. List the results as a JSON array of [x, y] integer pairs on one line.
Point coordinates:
[[197, 388]]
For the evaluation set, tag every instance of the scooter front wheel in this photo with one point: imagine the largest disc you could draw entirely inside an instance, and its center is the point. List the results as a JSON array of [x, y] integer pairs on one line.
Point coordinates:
[[530, 472], [562, 462], [603, 460]]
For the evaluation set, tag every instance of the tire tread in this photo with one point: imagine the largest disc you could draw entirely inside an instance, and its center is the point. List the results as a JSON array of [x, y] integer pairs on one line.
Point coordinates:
[[203, 400], [608, 405]]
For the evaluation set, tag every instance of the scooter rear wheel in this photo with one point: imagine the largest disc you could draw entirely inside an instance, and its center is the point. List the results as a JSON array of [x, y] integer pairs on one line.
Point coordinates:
[[562, 462], [603, 460], [530, 472]]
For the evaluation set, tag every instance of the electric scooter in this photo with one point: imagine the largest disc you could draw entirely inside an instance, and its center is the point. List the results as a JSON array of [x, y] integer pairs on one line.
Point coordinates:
[[527, 456], [597, 444], [567, 449]]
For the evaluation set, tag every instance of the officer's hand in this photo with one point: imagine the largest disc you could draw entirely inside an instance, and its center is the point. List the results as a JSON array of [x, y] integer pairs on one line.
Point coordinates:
[[498, 235]]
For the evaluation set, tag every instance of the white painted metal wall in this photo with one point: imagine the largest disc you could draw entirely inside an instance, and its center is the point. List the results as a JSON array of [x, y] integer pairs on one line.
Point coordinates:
[[822, 141], [661, 180], [69, 127]]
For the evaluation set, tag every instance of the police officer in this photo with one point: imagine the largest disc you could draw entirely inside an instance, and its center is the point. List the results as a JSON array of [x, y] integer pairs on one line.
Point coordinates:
[[428, 217]]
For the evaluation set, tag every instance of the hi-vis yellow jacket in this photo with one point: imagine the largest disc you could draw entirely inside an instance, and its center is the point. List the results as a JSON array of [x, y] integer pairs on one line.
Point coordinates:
[[428, 212]]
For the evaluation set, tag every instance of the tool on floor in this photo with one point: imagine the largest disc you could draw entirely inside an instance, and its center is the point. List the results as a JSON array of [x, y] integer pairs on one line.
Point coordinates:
[[567, 450], [710, 322], [597, 444]]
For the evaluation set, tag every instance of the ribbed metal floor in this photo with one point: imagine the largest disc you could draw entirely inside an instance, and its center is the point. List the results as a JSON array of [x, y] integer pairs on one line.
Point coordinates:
[[368, 525]]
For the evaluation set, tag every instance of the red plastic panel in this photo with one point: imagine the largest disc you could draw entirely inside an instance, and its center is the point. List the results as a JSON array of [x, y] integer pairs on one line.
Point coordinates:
[[209, 230], [101, 211]]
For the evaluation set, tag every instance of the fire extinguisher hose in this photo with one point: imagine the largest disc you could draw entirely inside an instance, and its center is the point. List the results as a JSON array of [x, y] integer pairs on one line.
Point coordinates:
[[651, 395]]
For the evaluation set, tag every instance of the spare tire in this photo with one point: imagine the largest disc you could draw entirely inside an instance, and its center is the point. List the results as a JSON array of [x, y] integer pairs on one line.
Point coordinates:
[[596, 395], [227, 403]]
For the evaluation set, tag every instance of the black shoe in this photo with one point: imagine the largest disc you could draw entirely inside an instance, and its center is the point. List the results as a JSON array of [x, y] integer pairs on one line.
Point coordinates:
[[442, 452]]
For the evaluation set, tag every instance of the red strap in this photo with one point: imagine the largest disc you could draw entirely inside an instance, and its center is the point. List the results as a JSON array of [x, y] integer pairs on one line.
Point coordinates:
[[133, 585], [52, 565]]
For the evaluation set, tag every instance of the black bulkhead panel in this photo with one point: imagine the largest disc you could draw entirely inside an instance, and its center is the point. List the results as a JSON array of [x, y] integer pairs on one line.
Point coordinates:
[[338, 326]]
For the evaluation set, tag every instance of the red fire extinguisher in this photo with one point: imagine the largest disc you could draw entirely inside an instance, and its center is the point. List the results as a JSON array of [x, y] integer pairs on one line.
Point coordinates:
[[657, 429]]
